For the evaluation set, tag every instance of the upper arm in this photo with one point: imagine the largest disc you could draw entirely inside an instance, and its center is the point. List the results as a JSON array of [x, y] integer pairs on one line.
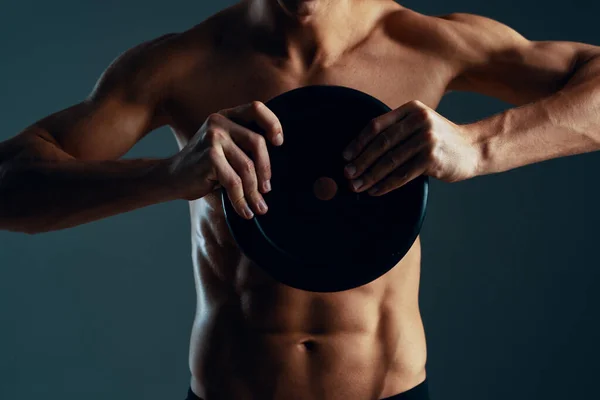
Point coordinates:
[[493, 59], [123, 107]]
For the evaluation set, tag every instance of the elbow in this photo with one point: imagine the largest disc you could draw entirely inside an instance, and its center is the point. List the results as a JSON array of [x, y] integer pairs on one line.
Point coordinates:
[[4, 196], [31, 231], [9, 215], [20, 229]]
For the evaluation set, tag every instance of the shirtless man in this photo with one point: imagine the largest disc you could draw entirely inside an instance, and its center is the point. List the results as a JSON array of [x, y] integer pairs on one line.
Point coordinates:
[[254, 338]]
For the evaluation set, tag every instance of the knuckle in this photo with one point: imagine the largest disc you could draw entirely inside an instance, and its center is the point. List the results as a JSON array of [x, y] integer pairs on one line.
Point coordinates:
[[258, 141], [256, 105], [423, 114], [214, 119], [224, 112], [430, 155], [213, 154], [391, 161], [214, 134], [248, 166], [276, 126], [416, 104], [234, 182], [429, 136], [385, 142], [374, 126]]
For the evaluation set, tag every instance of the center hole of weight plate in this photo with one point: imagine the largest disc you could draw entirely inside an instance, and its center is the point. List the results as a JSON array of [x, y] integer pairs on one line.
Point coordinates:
[[325, 188]]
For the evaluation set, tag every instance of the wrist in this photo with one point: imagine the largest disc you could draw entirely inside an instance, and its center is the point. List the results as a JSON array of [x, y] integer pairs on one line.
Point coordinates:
[[483, 135], [162, 180]]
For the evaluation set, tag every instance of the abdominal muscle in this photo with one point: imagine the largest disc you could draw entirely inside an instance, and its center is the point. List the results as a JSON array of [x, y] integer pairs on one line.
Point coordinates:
[[254, 338]]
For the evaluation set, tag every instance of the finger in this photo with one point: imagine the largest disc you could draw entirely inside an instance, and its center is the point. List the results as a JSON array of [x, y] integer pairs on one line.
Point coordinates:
[[244, 168], [254, 144], [221, 129], [384, 142], [389, 162], [231, 182], [401, 176], [376, 126], [257, 112]]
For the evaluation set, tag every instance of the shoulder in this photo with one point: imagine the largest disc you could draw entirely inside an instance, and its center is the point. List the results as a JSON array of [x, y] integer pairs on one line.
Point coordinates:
[[454, 23], [455, 35], [479, 29], [149, 68], [138, 69]]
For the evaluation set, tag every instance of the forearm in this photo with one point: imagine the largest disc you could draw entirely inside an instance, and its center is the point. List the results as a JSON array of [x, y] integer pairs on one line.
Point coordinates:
[[563, 124], [39, 196]]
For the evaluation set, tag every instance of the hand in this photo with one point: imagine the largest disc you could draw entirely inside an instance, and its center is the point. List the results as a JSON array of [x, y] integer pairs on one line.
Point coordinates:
[[217, 156], [405, 143]]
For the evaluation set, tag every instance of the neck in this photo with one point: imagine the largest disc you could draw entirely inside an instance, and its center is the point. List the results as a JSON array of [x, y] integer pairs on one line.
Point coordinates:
[[317, 32]]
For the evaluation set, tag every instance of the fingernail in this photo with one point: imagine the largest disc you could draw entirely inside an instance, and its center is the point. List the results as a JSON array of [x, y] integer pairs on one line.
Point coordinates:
[[278, 141], [267, 186], [248, 212], [350, 169], [262, 206], [357, 184], [347, 155]]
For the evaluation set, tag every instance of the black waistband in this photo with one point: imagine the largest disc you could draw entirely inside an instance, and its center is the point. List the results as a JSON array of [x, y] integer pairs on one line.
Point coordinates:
[[419, 392]]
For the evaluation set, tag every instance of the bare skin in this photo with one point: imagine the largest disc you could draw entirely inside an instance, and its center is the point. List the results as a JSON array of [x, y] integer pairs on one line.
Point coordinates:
[[254, 338]]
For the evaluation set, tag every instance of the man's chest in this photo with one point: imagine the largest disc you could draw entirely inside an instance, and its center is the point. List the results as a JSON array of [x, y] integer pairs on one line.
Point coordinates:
[[394, 77]]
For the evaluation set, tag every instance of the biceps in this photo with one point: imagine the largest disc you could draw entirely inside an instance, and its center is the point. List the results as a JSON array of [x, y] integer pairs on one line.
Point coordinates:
[[524, 73], [90, 130], [123, 107]]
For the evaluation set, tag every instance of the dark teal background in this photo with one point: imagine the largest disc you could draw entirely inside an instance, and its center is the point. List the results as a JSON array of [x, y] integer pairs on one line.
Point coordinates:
[[103, 311]]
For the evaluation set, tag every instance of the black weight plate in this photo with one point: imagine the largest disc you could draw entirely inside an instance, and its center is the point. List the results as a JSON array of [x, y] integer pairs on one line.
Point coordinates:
[[333, 245]]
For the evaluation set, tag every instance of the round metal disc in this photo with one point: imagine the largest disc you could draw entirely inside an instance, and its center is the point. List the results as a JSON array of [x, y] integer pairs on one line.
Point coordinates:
[[319, 235]]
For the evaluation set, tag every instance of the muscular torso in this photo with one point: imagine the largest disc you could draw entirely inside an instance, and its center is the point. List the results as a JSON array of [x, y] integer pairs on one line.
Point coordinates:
[[252, 337]]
